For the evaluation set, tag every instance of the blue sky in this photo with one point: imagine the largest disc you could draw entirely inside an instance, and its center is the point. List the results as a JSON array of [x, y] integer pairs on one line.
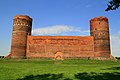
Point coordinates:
[[57, 17]]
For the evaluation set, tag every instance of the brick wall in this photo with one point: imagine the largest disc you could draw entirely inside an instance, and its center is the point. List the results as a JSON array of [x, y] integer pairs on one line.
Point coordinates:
[[70, 46], [24, 45]]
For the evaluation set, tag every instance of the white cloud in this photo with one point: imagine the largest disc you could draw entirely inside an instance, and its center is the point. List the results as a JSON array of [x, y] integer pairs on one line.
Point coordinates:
[[115, 44], [57, 30], [71, 30]]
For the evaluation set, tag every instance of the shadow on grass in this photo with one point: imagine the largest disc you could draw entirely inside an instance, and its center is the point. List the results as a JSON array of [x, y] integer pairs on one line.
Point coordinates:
[[113, 68], [98, 76], [78, 76], [45, 77]]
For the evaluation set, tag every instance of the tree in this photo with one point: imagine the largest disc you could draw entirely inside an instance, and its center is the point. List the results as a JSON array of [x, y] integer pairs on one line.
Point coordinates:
[[113, 5]]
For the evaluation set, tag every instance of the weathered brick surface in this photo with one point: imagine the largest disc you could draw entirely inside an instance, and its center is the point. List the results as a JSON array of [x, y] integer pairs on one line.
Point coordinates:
[[95, 46], [99, 29], [21, 28], [70, 46]]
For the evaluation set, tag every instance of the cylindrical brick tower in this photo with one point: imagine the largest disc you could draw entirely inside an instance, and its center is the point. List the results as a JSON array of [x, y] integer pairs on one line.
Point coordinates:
[[21, 28], [99, 29]]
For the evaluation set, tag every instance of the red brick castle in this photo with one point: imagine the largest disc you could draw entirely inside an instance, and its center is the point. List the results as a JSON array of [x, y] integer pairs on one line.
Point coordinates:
[[24, 45]]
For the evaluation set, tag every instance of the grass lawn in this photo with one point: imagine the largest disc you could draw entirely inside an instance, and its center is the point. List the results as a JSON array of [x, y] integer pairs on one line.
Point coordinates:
[[47, 69]]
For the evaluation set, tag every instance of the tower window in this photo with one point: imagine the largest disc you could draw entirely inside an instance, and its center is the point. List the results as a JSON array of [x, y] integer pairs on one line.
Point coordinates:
[[99, 22]]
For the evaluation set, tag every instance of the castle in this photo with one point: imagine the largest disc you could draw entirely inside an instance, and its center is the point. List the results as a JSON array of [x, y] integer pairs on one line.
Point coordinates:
[[24, 45]]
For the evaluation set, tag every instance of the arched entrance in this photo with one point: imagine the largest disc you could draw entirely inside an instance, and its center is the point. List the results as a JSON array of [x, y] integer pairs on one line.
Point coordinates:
[[58, 56]]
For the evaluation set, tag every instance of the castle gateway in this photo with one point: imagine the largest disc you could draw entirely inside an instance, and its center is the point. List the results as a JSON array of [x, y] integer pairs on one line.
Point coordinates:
[[24, 45]]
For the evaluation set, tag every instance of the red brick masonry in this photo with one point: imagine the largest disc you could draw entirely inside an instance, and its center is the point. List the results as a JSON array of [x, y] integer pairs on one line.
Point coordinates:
[[70, 46], [24, 45]]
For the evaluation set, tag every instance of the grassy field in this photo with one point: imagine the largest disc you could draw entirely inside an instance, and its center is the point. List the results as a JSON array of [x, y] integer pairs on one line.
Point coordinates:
[[47, 69]]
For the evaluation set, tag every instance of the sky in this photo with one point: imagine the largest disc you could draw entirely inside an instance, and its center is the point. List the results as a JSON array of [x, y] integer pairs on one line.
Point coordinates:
[[57, 17]]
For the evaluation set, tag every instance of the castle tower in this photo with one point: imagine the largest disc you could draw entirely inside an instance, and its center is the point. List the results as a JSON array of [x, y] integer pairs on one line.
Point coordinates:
[[21, 28], [99, 29]]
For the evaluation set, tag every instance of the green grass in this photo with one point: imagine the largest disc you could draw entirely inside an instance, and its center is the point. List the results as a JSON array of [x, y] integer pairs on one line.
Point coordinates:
[[47, 69]]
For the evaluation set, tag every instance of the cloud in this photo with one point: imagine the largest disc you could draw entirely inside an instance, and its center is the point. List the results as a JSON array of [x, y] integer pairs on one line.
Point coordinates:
[[72, 30], [115, 44], [58, 30]]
